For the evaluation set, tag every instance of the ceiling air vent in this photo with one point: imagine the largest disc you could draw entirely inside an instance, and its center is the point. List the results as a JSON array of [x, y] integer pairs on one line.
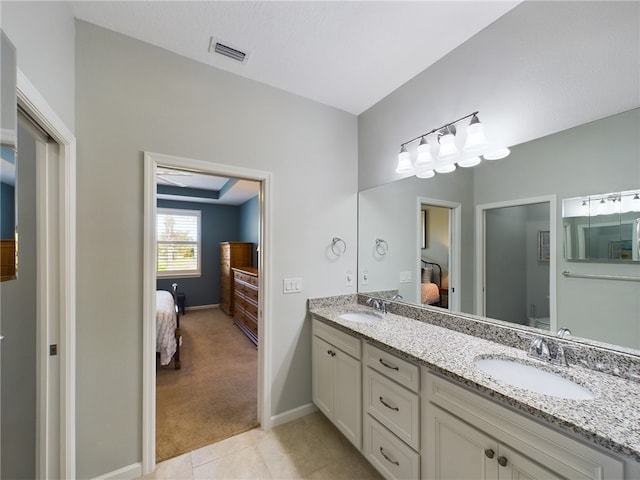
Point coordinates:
[[226, 50]]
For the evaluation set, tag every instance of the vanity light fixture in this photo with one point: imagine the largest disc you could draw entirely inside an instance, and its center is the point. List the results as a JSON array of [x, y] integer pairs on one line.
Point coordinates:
[[442, 154]]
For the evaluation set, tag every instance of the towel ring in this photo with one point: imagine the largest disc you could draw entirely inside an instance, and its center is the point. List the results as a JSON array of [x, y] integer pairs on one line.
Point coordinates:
[[382, 247], [338, 246]]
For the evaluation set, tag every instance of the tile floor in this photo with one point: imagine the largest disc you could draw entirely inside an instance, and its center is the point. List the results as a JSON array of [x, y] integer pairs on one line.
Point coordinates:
[[309, 448]]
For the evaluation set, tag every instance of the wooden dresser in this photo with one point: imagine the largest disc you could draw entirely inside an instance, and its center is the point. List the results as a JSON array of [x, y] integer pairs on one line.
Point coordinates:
[[245, 293], [232, 254], [7, 259]]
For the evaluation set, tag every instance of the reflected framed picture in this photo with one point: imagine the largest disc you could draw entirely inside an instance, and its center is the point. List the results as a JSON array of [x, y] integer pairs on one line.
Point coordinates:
[[543, 246], [423, 222]]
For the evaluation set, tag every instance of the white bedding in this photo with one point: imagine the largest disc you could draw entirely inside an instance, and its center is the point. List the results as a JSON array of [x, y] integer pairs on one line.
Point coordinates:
[[166, 323]]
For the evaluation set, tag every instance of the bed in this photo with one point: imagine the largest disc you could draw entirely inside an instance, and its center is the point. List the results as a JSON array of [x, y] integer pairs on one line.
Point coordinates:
[[431, 282], [168, 335]]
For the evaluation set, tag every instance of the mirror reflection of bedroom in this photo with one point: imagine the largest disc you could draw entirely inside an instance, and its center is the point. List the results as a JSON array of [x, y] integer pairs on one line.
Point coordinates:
[[207, 231], [434, 255]]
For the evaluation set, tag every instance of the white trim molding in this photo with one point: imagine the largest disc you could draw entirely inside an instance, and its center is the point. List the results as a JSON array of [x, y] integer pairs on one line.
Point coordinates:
[[38, 108], [130, 472], [293, 414], [151, 163]]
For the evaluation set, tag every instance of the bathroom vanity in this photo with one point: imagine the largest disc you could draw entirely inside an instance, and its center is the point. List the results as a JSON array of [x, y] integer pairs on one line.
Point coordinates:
[[425, 410]]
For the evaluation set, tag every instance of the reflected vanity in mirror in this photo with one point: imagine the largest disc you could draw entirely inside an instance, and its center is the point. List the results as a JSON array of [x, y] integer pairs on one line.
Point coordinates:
[[8, 134], [604, 227]]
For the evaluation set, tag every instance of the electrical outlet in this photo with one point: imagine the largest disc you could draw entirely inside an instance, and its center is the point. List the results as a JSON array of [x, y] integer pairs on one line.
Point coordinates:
[[365, 277], [292, 285], [405, 277], [348, 278]]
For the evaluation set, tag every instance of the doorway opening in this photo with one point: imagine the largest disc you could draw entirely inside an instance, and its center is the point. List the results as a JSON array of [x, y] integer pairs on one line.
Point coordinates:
[[198, 309], [439, 253], [516, 262]]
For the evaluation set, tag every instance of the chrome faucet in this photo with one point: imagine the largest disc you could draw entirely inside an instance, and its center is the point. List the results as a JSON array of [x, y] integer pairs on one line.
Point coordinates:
[[540, 349], [378, 304]]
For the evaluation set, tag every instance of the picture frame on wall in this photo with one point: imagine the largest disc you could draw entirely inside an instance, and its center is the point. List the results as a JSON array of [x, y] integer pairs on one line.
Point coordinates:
[[543, 246], [423, 222]]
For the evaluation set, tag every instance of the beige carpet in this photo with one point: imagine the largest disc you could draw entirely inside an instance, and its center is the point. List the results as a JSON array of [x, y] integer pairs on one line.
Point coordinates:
[[214, 395]]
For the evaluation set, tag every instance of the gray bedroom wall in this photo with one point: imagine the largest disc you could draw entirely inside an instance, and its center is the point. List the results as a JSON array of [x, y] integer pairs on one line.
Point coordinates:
[[7, 213], [133, 97], [43, 34], [219, 223], [250, 224]]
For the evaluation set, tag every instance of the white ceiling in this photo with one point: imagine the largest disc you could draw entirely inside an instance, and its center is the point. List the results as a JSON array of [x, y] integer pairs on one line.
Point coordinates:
[[345, 54]]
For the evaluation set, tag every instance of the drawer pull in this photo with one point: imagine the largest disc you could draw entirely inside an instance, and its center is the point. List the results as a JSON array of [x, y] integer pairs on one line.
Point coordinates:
[[332, 353], [502, 461], [388, 365], [387, 405], [395, 462], [489, 453]]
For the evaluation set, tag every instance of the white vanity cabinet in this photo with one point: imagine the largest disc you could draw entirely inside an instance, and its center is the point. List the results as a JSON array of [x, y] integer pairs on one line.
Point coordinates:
[[391, 404], [468, 436], [337, 379]]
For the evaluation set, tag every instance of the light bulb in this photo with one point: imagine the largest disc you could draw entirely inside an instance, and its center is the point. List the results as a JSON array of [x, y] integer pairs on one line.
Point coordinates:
[[404, 161], [448, 147], [470, 162], [475, 136], [425, 159], [497, 154]]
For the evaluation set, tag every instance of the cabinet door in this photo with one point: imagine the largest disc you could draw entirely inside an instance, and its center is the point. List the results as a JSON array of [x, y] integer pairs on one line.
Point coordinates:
[[455, 450], [322, 376], [519, 467], [348, 396]]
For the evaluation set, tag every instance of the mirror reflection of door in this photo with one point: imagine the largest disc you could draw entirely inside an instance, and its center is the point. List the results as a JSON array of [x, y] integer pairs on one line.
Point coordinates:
[[435, 236], [516, 248]]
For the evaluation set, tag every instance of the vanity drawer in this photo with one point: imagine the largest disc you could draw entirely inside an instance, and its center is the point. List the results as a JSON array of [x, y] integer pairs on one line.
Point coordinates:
[[391, 457], [343, 341], [402, 371], [394, 406]]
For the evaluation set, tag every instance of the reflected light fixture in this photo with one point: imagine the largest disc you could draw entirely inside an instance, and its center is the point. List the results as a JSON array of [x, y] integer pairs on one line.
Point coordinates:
[[443, 154]]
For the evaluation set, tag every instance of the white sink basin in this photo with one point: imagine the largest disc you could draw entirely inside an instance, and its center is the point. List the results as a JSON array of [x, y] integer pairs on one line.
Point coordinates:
[[531, 378], [360, 317]]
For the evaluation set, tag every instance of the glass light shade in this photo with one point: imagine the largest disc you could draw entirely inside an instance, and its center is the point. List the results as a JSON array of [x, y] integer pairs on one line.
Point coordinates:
[[422, 172], [445, 166], [475, 138], [470, 162], [448, 147], [425, 159], [404, 162], [497, 154]]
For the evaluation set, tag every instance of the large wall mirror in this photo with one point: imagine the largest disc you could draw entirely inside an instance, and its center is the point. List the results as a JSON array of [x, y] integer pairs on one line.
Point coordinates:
[[8, 134], [561, 166]]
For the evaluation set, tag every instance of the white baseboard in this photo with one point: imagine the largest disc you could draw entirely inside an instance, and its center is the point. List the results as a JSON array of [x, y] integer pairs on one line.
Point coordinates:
[[203, 307], [129, 472], [291, 415]]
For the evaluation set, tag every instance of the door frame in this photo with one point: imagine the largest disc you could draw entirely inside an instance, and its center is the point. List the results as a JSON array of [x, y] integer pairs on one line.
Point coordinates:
[[480, 299], [455, 248], [37, 107], [151, 163]]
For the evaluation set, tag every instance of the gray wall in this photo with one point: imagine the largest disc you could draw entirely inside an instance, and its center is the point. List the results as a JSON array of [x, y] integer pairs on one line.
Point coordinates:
[[44, 37], [133, 97], [250, 224], [7, 210], [18, 313]]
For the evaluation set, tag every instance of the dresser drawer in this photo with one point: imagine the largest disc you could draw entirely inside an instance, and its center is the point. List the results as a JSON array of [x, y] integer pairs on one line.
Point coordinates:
[[402, 371], [393, 405], [343, 341], [391, 457]]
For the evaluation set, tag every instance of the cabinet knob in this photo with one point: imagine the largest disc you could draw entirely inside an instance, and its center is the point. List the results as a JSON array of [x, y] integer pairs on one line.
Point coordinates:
[[331, 352], [502, 461], [489, 453]]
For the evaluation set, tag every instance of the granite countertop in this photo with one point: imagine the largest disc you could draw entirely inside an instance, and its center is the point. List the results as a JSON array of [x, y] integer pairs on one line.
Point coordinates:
[[610, 420]]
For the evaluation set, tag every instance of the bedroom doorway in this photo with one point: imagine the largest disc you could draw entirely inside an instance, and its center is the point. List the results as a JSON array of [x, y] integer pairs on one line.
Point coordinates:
[[155, 163], [439, 252]]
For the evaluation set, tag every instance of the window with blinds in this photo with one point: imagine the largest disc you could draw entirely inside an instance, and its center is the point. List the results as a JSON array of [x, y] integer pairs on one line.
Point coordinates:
[[178, 236]]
